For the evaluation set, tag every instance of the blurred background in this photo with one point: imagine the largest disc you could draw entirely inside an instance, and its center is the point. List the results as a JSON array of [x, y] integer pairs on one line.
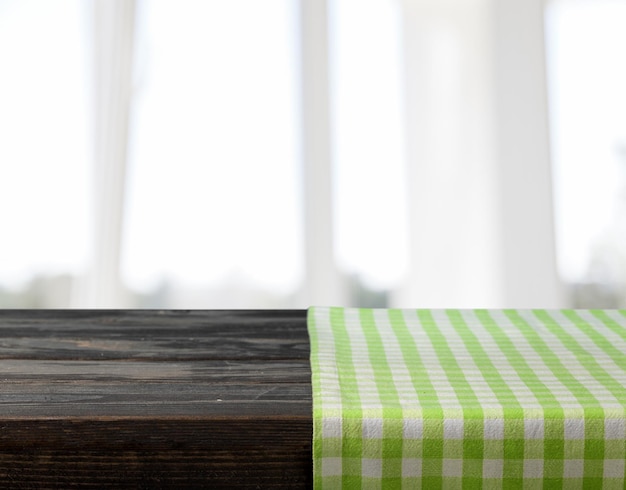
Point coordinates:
[[286, 153]]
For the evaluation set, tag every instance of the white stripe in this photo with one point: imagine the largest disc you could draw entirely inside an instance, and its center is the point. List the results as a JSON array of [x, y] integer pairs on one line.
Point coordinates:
[[365, 381], [535, 361], [466, 362], [436, 373], [567, 357], [401, 375], [599, 354], [329, 376], [618, 342], [500, 360]]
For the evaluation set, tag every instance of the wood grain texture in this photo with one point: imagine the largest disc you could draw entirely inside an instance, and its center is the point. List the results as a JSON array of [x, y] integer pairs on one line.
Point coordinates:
[[154, 399]]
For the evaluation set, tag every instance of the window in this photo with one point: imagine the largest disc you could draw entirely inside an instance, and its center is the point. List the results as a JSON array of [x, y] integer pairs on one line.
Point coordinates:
[[44, 150], [587, 75], [222, 154], [213, 211]]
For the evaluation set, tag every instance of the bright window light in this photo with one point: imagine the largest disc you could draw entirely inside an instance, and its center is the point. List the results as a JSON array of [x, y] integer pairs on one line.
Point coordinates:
[[44, 128], [214, 190], [587, 76]]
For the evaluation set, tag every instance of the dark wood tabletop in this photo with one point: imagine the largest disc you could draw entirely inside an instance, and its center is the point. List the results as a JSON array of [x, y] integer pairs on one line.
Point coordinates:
[[155, 399]]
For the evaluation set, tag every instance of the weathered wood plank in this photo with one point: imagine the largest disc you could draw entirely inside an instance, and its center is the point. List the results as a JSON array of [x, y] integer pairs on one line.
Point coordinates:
[[160, 401], [154, 399], [197, 372], [127, 453], [153, 334]]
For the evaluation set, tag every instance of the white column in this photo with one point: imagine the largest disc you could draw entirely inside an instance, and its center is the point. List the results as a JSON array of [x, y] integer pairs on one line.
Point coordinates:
[[322, 283], [113, 22], [526, 218], [475, 162]]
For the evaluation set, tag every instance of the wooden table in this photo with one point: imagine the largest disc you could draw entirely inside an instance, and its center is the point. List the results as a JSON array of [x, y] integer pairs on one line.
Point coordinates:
[[154, 399]]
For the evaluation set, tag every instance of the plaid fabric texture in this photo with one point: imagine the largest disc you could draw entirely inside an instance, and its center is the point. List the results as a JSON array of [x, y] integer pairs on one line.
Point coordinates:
[[468, 398]]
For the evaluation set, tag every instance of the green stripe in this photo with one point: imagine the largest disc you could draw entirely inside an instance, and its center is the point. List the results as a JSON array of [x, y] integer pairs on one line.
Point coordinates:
[[345, 365], [616, 355], [429, 408], [618, 328], [390, 447], [383, 375], [514, 429], [434, 447], [552, 361], [481, 358], [318, 440], [448, 360], [424, 390], [352, 447], [475, 446], [584, 357], [524, 371]]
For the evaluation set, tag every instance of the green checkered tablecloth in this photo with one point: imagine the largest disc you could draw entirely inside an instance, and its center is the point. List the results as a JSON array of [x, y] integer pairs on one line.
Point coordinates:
[[468, 398]]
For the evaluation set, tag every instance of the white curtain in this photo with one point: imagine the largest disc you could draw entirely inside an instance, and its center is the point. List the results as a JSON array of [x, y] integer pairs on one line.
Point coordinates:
[[469, 190], [113, 49], [477, 155]]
